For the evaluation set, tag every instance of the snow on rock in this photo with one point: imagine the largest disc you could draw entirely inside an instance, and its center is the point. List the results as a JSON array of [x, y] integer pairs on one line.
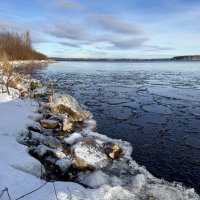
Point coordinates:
[[64, 164], [73, 138], [37, 136], [88, 155]]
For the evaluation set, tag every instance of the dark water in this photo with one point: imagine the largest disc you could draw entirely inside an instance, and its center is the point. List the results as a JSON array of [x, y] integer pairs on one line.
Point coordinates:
[[153, 105]]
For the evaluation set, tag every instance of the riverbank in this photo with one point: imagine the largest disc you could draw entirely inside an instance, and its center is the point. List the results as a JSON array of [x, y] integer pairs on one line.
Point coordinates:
[[125, 179], [21, 63]]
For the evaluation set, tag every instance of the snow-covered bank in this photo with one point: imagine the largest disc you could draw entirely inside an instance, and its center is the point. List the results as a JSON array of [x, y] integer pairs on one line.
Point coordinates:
[[20, 172], [20, 63]]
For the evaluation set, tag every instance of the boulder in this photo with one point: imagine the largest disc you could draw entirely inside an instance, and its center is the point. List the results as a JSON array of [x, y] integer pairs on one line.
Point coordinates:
[[49, 124], [152, 198], [112, 150], [35, 127], [42, 151], [37, 136], [49, 141], [69, 105], [88, 155], [52, 142]]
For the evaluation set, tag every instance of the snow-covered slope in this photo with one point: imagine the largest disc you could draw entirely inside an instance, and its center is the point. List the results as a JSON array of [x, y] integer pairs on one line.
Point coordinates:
[[20, 172]]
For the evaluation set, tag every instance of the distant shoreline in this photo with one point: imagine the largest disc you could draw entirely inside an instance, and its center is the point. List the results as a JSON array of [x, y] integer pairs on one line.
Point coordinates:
[[177, 58]]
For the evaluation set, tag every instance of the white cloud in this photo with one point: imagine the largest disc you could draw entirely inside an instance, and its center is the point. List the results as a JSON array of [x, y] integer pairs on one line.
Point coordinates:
[[115, 24], [66, 4]]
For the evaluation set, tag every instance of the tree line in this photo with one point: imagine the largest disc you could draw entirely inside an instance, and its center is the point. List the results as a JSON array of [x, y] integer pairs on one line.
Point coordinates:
[[18, 46]]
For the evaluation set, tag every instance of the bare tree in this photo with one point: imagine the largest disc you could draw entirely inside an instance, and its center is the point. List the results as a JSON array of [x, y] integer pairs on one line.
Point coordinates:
[[18, 47], [27, 39]]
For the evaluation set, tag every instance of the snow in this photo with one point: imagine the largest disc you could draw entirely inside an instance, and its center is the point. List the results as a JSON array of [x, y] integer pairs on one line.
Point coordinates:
[[20, 172], [98, 178], [95, 179], [90, 124], [73, 138]]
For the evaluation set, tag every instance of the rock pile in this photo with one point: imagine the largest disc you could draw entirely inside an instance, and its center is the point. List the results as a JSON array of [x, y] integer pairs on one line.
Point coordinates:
[[59, 143], [25, 84]]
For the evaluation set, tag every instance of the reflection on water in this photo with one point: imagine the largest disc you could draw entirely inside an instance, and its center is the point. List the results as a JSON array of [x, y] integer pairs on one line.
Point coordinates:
[[154, 105]]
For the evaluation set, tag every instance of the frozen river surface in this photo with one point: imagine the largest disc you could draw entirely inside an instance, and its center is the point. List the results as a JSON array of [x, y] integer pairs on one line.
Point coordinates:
[[153, 105]]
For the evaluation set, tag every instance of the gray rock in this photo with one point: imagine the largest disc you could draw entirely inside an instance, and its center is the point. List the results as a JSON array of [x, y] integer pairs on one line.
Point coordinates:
[[52, 142], [35, 127], [45, 151]]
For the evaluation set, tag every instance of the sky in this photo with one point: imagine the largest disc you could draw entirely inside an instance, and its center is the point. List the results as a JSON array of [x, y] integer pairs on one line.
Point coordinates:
[[106, 28]]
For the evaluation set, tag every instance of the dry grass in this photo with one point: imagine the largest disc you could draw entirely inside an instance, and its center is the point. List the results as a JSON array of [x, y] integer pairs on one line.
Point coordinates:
[[7, 69]]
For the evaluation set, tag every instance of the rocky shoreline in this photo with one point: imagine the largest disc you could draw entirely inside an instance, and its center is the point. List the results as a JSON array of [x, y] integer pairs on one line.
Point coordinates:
[[58, 141], [22, 63]]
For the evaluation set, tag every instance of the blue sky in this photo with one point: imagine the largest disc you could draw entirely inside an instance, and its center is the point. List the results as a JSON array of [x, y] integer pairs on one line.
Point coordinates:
[[106, 28]]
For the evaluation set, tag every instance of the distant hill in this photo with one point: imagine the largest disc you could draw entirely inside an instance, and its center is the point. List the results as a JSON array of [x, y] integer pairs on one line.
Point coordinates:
[[107, 59], [177, 58], [190, 57]]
